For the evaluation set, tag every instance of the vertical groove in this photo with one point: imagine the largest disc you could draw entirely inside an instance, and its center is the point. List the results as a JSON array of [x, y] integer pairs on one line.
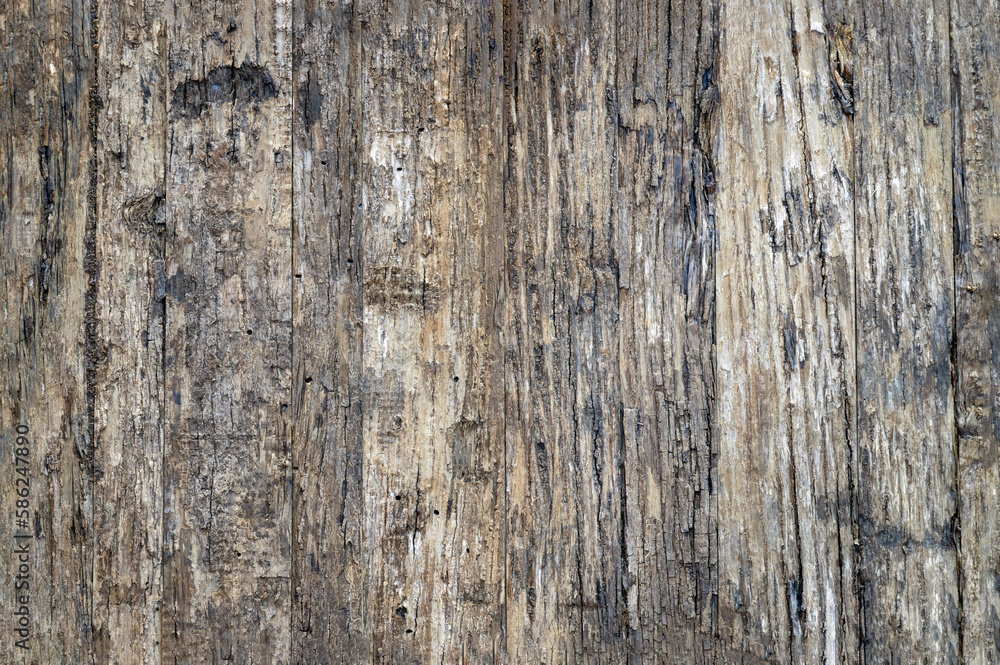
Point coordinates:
[[164, 443], [718, 650], [90, 298], [622, 611], [163, 330], [711, 144], [358, 232], [713, 415], [504, 142], [294, 403], [90, 240], [855, 468], [957, 189]]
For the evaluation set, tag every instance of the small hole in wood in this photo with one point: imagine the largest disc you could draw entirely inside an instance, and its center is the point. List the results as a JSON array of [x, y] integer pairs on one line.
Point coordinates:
[[398, 497], [309, 379], [249, 331], [436, 512]]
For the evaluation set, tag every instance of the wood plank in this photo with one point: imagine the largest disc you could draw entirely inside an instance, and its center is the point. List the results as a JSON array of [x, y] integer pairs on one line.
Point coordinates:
[[328, 583], [907, 481], [664, 208], [48, 352], [227, 476], [975, 40], [433, 391], [565, 564], [785, 339], [129, 182]]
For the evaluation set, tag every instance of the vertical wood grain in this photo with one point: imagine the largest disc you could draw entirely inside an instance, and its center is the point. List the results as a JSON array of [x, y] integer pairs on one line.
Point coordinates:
[[328, 511], [565, 564], [975, 94], [129, 319], [664, 183], [905, 317], [785, 339], [48, 350], [432, 388], [227, 473], [378, 331]]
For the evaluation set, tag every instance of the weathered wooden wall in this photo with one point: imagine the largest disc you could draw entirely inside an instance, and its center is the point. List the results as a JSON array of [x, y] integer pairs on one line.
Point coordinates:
[[406, 331]]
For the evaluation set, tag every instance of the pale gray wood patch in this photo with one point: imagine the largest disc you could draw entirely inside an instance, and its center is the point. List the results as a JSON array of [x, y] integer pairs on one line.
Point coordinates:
[[129, 316], [785, 340]]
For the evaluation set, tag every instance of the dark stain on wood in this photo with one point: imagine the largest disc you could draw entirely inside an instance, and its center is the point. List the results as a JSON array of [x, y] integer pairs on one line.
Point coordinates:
[[246, 85]]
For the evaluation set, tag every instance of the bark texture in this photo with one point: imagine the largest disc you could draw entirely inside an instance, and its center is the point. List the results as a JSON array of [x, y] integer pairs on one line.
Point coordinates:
[[392, 331]]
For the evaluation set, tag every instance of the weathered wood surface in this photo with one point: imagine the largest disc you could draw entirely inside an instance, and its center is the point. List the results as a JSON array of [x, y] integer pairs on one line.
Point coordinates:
[[564, 465], [50, 347], [328, 598], [907, 501], [227, 530], [432, 392], [129, 185], [391, 331], [664, 249], [975, 95], [784, 339]]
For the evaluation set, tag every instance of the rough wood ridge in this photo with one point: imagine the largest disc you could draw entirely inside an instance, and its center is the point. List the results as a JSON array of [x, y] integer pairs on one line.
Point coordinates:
[[508, 331]]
